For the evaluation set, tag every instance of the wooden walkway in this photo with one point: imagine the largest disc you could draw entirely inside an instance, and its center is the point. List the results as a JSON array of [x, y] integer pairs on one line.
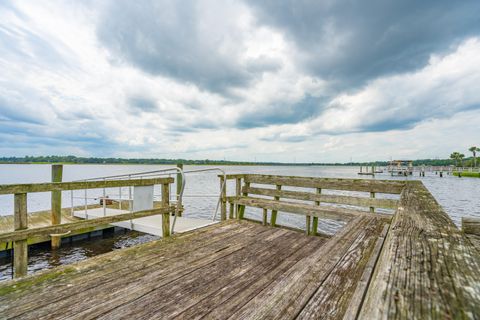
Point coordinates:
[[237, 270]]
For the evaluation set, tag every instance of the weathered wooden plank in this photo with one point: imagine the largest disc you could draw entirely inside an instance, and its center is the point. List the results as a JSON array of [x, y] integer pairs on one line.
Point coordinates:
[[20, 247], [57, 229], [64, 186], [56, 198], [322, 212], [124, 266], [334, 294], [427, 269], [286, 296], [309, 196], [273, 216], [119, 291], [380, 186], [357, 299], [471, 225]]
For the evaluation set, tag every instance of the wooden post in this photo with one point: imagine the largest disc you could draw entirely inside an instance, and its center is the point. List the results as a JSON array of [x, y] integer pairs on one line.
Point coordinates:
[[315, 219], [307, 224], [273, 217], [238, 191], [223, 200], [265, 214], [56, 216], [231, 212], [166, 216], [241, 209], [179, 188], [372, 195], [20, 247]]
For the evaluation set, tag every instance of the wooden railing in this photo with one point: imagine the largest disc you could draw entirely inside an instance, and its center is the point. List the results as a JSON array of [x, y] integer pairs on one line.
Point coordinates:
[[312, 198], [22, 232]]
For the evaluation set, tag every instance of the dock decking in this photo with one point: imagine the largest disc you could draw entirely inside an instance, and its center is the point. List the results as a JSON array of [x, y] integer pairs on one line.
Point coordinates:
[[238, 269], [415, 264]]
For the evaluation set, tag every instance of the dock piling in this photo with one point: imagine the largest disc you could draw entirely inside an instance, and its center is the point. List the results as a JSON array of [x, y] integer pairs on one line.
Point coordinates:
[[56, 217]]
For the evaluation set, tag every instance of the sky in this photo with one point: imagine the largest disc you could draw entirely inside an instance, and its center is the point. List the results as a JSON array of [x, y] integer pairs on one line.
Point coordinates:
[[283, 81]]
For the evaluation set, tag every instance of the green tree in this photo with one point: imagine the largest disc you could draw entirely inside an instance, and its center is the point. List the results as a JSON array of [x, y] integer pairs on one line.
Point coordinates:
[[474, 151], [455, 156]]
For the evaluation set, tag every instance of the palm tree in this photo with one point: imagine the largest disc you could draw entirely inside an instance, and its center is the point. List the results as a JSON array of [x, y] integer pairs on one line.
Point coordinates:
[[455, 156], [474, 151], [460, 157]]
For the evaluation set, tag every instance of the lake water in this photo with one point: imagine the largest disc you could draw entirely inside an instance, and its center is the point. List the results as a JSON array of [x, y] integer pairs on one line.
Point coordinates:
[[458, 196]]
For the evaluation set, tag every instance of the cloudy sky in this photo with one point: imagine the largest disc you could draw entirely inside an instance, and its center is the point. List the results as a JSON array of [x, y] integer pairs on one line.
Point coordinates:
[[299, 80]]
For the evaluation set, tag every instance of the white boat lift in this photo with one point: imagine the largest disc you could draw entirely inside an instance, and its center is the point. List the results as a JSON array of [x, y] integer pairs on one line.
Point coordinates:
[[142, 198]]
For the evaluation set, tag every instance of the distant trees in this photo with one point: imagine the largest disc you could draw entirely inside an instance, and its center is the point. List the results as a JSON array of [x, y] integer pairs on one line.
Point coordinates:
[[474, 150]]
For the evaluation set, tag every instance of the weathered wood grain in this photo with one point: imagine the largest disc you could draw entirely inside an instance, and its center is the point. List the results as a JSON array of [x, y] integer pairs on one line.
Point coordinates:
[[309, 196], [56, 203], [323, 212], [471, 225], [81, 224], [64, 186], [380, 186], [427, 268], [20, 247]]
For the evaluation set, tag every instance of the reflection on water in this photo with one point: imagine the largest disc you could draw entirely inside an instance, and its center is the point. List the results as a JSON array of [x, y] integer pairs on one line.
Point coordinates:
[[458, 196], [41, 257]]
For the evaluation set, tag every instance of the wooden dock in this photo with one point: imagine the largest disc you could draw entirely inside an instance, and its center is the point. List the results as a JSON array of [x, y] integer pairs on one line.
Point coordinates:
[[414, 264]]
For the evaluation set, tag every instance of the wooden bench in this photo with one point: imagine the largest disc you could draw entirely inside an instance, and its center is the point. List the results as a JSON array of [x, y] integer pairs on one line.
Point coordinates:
[[315, 204]]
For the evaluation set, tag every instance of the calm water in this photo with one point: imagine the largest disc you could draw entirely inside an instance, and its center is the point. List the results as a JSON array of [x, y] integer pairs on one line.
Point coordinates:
[[458, 196]]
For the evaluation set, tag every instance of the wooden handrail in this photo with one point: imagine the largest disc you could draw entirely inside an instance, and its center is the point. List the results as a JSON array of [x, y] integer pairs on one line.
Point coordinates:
[[66, 186]]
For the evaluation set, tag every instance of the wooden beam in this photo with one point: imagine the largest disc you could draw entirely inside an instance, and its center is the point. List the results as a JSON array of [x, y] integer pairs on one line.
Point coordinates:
[[56, 215], [165, 215], [332, 213], [23, 234], [380, 186], [20, 247], [308, 196], [315, 219], [223, 199], [427, 266], [238, 191], [471, 225], [64, 186], [273, 216]]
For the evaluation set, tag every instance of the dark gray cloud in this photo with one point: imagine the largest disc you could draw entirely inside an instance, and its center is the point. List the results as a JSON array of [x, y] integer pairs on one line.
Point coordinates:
[[142, 104], [281, 113], [174, 38], [349, 42]]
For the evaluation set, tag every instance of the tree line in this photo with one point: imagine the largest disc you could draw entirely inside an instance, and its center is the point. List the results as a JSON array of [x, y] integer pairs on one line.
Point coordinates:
[[458, 158]]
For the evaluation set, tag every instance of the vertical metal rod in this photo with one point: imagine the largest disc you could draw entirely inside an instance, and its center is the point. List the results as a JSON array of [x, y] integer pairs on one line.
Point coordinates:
[[120, 198], [104, 201], [130, 195], [86, 205], [71, 202]]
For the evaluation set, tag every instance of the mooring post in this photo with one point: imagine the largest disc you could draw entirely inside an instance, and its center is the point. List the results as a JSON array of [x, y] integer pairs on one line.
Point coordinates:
[[179, 189], [56, 216], [166, 216], [223, 197], [20, 247]]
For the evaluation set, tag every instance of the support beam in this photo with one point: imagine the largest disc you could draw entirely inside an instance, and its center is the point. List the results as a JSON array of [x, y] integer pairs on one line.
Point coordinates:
[[166, 216], [20, 247], [56, 217]]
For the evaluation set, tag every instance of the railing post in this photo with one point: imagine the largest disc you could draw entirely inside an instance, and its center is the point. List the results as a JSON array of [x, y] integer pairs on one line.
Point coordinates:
[[372, 195], [56, 217], [238, 191], [314, 230], [166, 216], [265, 213], [307, 224], [20, 247], [273, 217], [241, 209], [179, 189], [223, 202]]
